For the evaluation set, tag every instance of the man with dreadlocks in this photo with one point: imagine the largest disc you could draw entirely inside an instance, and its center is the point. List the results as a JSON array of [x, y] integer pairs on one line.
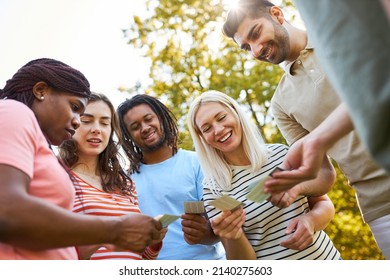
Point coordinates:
[[40, 106], [166, 177]]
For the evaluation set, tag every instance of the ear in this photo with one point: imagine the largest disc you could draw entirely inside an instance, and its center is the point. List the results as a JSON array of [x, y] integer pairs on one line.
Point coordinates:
[[40, 89], [277, 14]]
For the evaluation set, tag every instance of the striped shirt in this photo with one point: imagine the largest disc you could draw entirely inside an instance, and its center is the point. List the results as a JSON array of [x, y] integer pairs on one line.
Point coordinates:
[[265, 224], [92, 201]]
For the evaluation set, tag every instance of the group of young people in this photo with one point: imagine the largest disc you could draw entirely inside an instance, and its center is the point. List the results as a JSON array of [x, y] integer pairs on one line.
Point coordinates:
[[82, 204]]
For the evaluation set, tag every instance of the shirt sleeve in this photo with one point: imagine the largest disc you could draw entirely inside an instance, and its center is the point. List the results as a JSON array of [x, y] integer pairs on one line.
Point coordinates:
[[20, 129], [150, 253], [288, 126]]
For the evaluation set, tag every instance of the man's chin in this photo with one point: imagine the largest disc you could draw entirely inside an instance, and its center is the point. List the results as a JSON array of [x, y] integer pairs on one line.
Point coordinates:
[[154, 147]]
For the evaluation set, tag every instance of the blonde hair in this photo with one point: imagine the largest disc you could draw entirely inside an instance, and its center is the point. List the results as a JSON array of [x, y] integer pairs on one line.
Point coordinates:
[[216, 169]]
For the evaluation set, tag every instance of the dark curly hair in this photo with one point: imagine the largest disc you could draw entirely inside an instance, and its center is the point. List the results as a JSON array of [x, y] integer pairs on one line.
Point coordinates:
[[167, 120], [54, 73]]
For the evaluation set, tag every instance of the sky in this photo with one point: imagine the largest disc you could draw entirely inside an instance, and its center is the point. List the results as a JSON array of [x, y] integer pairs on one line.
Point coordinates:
[[86, 34]]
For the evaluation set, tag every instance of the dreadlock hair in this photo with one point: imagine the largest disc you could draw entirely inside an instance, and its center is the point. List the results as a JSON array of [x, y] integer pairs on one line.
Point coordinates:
[[245, 9], [167, 120], [112, 176], [54, 73]]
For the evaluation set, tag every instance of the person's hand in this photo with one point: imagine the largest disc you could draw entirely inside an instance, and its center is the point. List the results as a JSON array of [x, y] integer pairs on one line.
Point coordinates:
[[136, 231], [157, 244], [162, 233], [195, 228], [228, 224], [284, 199], [301, 234], [302, 163]]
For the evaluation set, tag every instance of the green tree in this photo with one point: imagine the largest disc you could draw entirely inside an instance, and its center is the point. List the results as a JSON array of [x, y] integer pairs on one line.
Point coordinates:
[[189, 55]]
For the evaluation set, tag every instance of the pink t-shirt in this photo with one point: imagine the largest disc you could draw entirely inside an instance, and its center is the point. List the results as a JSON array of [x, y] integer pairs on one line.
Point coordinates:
[[23, 146]]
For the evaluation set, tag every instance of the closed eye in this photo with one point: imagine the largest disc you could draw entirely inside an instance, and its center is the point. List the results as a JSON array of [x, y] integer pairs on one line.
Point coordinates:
[[222, 117], [134, 127], [205, 129]]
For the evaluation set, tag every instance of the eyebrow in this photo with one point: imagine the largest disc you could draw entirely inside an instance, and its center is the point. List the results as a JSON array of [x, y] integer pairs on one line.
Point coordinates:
[[143, 117], [250, 35], [214, 117], [92, 116]]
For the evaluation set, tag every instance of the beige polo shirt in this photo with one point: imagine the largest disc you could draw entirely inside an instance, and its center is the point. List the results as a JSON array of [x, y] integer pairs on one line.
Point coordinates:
[[303, 99]]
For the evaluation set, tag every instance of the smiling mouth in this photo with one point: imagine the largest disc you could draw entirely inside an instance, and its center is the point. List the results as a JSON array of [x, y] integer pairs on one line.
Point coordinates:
[[266, 53], [94, 141], [227, 136], [149, 135]]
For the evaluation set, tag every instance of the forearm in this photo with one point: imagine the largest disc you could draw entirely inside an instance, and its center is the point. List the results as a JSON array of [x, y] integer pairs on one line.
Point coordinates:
[[238, 249], [36, 224], [333, 128], [321, 213], [323, 183]]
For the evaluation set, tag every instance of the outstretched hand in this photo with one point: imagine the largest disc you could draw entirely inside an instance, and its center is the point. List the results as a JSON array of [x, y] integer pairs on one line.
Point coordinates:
[[137, 231], [302, 162]]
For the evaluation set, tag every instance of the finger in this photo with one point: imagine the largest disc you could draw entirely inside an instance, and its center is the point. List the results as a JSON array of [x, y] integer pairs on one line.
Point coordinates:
[[191, 217], [191, 223], [276, 199], [274, 186], [190, 240], [232, 219], [229, 225], [291, 241], [219, 218], [190, 231], [293, 227], [299, 173]]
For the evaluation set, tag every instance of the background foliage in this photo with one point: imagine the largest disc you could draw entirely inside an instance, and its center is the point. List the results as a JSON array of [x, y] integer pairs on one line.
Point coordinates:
[[189, 55]]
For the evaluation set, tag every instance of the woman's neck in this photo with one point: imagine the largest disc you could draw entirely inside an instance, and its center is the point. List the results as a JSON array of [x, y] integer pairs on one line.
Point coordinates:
[[86, 169], [237, 157], [87, 165]]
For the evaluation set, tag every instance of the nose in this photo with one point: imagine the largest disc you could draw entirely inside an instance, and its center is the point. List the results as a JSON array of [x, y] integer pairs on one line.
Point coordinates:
[[218, 129], [76, 121], [145, 127], [95, 128]]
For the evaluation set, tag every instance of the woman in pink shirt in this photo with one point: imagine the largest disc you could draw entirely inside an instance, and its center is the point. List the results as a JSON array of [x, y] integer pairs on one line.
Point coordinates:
[[40, 106]]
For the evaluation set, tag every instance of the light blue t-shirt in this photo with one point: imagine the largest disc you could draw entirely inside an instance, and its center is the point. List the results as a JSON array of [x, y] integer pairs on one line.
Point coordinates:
[[162, 189]]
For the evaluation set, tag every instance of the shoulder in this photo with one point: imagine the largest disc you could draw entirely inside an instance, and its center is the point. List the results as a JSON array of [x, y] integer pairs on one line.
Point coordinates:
[[16, 110], [17, 115], [12, 106], [187, 154], [277, 149], [188, 159]]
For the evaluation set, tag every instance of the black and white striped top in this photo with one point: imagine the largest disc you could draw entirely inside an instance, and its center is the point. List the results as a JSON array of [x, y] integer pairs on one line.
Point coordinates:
[[265, 224]]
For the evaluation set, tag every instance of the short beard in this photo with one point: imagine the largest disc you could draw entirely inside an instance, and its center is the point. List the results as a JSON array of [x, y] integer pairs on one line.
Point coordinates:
[[283, 41], [155, 147]]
